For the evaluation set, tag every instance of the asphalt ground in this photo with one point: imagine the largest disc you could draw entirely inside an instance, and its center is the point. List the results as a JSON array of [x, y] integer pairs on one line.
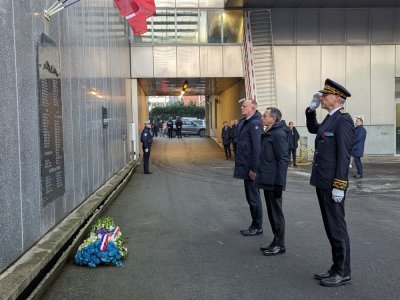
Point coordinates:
[[182, 225]]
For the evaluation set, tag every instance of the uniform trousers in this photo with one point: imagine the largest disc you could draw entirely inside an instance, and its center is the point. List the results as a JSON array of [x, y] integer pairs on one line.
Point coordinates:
[[292, 152], [336, 229], [253, 199], [146, 158], [276, 218], [227, 149]]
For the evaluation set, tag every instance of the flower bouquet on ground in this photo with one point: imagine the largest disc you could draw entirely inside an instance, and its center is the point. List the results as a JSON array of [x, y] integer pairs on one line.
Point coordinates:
[[105, 245]]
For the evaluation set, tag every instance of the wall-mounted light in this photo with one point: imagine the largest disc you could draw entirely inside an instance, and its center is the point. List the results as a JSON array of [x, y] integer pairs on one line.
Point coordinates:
[[217, 100]]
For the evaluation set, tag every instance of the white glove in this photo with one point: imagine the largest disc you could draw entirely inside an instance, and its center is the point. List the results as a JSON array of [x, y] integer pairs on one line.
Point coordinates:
[[337, 195], [315, 101], [146, 150]]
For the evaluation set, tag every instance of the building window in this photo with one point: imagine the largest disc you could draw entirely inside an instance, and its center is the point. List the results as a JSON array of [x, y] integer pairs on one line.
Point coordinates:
[[232, 26], [164, 27], [187, 26], [210, 26]]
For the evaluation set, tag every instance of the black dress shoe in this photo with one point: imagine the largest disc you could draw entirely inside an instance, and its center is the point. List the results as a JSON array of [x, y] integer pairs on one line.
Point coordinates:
[[320, 276], [148, 172], [335, 280], [275, 250], [251, 232], [268, 247], [357, 176]]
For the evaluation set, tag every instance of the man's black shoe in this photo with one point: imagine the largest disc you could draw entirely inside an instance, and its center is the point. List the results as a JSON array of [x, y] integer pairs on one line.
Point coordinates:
[[335, 280], [251, 232], [148, 172], [268, 247], [275, 250], [320, 276], [357, 176]]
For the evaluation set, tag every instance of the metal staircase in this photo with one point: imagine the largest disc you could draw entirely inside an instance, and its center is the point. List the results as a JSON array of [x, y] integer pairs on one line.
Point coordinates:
[[260, 31]]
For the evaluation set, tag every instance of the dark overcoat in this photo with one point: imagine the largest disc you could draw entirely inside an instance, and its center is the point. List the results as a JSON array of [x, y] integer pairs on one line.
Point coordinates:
[[274, 157], [248, 146], [226, 135], [360, 134], [333, 145]]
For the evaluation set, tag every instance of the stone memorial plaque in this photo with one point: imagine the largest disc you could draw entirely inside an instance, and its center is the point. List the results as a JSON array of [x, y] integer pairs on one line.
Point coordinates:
[[50, 118]]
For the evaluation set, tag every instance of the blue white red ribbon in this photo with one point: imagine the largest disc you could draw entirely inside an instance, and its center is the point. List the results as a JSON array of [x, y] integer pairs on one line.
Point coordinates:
[[116, 231], [104, 242]]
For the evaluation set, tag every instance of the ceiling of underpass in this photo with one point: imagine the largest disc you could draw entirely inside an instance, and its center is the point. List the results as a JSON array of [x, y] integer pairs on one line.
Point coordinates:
[[311, 3], [196, 86]]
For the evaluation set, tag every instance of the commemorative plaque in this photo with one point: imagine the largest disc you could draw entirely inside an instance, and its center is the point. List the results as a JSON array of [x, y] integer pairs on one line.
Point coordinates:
[[50, 120]]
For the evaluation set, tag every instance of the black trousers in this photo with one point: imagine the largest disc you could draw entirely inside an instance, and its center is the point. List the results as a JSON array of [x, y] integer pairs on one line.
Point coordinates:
[[169, 133], [336, 229], [227, 149], [253, 199], [179, 133], [146, 159], [357, 161], [293, 153], [276, 218]]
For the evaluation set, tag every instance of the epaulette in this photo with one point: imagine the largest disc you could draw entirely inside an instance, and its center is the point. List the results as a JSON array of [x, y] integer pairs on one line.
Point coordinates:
[[343, 112]]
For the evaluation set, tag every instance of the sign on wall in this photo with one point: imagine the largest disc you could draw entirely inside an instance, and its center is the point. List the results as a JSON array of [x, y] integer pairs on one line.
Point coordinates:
[[50, 120]]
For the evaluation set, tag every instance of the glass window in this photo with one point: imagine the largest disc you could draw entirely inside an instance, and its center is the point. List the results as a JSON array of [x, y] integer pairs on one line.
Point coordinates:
[[187, 26], [233, 26], [210, 26], [164, 26]]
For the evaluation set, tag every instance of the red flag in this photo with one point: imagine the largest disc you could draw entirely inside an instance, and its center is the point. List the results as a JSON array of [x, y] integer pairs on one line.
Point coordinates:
[[136, 12]]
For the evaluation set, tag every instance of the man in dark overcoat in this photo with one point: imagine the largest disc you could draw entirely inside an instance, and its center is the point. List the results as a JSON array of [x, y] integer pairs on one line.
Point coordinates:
[[226, 136], [271, 175], [358, 146], [329, 175], [248, 145]]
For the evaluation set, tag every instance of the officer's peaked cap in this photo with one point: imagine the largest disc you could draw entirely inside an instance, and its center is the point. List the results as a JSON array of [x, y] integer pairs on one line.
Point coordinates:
[[332, 87]]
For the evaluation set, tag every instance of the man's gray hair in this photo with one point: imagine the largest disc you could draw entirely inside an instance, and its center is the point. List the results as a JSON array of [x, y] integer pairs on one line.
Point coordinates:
[[276, 113], [342, 100], [253, 102]]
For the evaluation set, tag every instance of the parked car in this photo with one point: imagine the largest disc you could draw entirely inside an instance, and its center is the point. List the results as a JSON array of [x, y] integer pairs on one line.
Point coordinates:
[[189, 127]]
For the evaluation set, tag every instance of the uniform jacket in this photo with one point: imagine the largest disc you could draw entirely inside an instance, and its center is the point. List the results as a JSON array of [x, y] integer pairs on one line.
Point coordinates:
[[170, 124], [248, 146], [146, 138], [359, 141], [226, 135], [274, 157], [234, 133], [293, 138], [333, 144]]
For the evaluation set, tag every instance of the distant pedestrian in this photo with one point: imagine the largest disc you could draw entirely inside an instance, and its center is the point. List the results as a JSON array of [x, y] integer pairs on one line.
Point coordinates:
[[155, 128], [235, 134], [226, 140], [329, 175], [178, 124], [170, 127], [271, 175], [147, 140], [293, 143], [358, 146], [250, 129]]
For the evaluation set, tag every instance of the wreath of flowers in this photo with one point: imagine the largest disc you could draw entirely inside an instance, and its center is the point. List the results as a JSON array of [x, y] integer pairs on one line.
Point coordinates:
[[105, 245]]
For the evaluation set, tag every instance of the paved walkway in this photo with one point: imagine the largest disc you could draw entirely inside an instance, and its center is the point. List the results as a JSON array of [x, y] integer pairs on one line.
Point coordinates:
[[182, 224]]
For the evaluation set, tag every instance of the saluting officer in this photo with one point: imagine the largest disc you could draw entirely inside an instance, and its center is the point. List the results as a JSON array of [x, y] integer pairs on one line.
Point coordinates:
[[147, 139], [330, 175]]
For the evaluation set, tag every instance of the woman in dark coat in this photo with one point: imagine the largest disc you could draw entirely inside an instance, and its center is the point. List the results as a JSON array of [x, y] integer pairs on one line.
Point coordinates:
[[271, 175]]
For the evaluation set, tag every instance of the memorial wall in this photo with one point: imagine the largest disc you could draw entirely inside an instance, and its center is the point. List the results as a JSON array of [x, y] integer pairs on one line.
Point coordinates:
[[57, 77]]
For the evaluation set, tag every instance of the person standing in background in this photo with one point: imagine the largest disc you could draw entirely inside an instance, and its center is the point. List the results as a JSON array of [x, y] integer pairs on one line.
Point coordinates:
[[358, 146], [250, 129], [170, 126], [147, 140], [293, 142], [234, 133], [178, 124], [226, 140]]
